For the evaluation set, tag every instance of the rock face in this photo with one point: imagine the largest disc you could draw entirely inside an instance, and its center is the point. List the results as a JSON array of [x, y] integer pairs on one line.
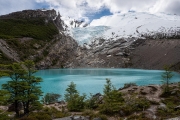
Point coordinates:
[[154, 54], [131, 53], [61, 52], [112, 54]]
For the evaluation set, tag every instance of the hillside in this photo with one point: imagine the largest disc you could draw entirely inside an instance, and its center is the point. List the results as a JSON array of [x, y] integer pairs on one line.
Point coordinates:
[[33, 34]]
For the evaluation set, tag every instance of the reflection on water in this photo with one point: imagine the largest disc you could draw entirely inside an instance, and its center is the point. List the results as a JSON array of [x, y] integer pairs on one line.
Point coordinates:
[[93, 80]]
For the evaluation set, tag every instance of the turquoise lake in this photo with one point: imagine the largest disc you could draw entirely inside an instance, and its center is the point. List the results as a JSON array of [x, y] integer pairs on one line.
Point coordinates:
[[93, 80]]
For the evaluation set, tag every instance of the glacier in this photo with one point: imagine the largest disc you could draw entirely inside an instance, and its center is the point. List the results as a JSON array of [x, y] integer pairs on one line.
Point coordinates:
[[87, 34], [129, 25]]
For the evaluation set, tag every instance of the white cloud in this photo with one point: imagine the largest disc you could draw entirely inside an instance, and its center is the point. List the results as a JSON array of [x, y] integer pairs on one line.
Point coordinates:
[[80, 9]]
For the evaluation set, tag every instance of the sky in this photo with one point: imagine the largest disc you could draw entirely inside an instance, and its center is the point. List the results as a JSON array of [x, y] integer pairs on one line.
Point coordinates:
[[88, 10]]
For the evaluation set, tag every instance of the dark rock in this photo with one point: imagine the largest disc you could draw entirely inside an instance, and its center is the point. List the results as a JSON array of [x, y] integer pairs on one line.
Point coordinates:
[[162, 106], [177, 108], [97, 119]]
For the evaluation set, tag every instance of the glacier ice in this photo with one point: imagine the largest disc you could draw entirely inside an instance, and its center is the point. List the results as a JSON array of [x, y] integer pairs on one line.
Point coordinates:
[[87, 34]]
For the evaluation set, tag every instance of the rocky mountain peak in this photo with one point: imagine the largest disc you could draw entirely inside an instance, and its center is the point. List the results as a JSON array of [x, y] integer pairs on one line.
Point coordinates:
[[51, 14]]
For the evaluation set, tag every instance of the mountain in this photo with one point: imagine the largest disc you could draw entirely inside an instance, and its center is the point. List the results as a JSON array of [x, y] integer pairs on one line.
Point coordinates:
[[138, 40], [135, 40], [69, 23], [36, 35], [129, 25]]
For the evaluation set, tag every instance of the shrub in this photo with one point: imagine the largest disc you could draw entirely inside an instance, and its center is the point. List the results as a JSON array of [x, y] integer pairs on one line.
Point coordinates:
[[50, 98], [93, 114], [134, 104]]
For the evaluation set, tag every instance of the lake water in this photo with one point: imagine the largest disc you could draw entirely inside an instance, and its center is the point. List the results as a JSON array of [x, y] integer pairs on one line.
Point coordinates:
[[93, 80]]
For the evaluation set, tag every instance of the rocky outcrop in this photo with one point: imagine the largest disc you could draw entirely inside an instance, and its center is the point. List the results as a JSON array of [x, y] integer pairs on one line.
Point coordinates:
[[61, 52], [50, 14], [9, 52], [47, 15]]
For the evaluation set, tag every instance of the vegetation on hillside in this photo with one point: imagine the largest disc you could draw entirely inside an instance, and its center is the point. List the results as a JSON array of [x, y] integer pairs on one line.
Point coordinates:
[[35, 28], [27, 37], [4, 59]]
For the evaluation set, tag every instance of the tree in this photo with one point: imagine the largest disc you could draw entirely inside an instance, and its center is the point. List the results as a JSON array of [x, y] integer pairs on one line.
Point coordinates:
[[108, 87], [15, 72], [92, 102], [112, 99], [166, 76], [23, 87], [4, 96], [50, 98], [75, 101], [31, 89]]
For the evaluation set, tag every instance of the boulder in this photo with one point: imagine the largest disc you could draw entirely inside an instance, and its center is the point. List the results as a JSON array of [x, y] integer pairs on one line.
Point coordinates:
[[162, 106]]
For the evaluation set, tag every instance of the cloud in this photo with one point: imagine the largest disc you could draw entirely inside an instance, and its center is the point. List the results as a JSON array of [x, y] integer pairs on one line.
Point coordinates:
[[82, 9], [8, 6], [172, 7]]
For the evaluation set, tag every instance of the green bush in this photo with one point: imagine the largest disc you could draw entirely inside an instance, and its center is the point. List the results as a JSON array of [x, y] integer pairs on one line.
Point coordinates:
[[45, 114], [50, 98], [138, 117], [134, 104]]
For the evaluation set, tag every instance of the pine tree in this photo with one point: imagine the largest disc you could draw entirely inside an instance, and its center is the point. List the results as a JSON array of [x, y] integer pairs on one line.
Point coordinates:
[[75, 101], [112, 99], [166, 76]]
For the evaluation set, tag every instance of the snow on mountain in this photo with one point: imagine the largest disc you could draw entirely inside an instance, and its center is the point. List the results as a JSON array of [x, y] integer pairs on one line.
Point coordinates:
[[72, 23], [132, 24]]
